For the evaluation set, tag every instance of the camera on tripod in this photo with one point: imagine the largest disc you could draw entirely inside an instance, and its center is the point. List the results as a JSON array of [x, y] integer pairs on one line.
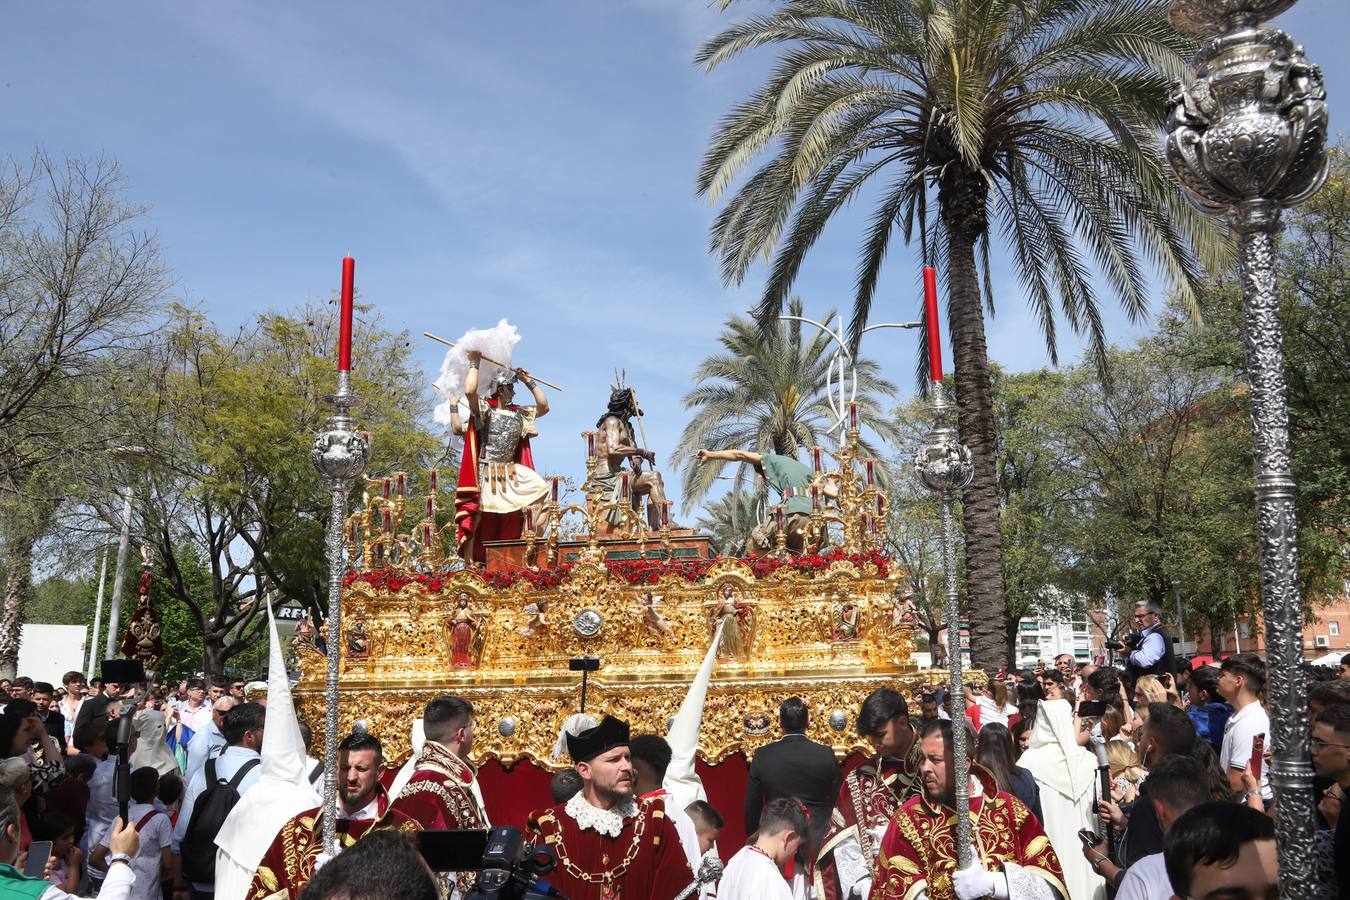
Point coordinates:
[[508, 868]]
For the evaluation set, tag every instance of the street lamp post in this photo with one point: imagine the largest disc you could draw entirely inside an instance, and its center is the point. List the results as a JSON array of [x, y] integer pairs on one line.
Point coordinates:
[[944, 465], [119, 574], [1247, 137]]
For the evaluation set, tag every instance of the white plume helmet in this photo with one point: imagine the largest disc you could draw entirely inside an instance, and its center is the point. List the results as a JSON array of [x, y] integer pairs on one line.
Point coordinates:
[[498, 342]]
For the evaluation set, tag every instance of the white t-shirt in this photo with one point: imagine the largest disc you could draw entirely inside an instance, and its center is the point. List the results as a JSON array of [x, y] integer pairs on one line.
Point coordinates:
[[1238, 733], [1146, 880], [752, 875], [156, 834], [989, 711]]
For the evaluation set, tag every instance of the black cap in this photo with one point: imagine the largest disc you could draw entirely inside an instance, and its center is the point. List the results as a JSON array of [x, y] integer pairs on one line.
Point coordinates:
[[610, 733]]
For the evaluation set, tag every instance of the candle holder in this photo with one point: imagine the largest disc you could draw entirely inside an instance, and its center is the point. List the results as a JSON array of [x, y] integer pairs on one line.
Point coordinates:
[[340, 454], [944, 465], [1247, 138]]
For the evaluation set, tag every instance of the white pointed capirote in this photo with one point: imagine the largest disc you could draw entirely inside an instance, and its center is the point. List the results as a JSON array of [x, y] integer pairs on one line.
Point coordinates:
[[282, 791]]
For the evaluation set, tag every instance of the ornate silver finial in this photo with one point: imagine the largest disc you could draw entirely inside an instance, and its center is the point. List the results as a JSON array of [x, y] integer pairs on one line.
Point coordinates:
[[1251, 129], [943, 463], [340, 451]]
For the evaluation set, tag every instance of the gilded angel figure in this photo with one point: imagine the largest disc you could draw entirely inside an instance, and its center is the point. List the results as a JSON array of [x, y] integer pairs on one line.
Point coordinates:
[[652, 620], [538, 613]]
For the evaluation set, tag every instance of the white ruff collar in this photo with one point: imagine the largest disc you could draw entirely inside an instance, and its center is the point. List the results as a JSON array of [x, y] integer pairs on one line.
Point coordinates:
[[608, 822]]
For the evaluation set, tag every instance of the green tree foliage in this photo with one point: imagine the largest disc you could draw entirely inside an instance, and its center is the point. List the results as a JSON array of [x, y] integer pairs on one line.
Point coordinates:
[[767, 393], [230, 486], [1314, 270], [1039, 120]]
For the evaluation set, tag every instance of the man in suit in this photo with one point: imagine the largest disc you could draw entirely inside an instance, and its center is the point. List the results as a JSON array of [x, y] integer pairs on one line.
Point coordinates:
[[794, 767]]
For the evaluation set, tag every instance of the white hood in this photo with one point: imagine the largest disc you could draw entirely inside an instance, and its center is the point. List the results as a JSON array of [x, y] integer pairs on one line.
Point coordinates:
[[682, 781], [282, 791], [1053, 756]]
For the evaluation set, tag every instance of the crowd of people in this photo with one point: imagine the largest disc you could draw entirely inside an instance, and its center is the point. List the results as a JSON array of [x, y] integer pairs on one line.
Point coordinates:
[[1085, 782]]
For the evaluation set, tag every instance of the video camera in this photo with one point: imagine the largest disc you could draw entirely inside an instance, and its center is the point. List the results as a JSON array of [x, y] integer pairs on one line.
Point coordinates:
[[125, 671], [508, 868], [1128, 642]]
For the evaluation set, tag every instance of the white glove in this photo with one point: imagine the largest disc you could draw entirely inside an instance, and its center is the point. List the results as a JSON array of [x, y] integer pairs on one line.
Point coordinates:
[[975, 881], [323, 858]]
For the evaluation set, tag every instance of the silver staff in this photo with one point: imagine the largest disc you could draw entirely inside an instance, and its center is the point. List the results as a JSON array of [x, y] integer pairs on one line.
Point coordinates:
[[1248, 137], [340, 453], [943, 465]]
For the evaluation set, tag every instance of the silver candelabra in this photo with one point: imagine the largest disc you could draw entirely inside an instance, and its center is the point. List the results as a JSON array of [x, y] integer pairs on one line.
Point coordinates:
[[943, 465], [1247, 138], [341, 454]]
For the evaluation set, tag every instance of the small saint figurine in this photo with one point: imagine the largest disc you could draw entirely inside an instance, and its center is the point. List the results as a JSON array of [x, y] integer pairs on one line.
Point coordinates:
[[358, 643], [739, 616], [846, 626], [652, 620], [902, 611], [465, 632]]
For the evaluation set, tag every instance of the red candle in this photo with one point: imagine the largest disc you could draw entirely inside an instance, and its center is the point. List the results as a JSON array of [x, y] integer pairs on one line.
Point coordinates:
[[388, 519], [345, 316], [623, 486], [426, 535], [431, 506], [930, 312], [590, 444], [870, 466], [815, 459], [780, 516], [881, 505], [354, 531], [815, 498], [529, 518], [432, 476], [402, 484], [853, 416], [555, 481]]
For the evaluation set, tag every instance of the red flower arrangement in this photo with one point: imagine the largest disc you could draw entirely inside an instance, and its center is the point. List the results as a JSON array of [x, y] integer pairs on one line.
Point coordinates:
[[632, 571]]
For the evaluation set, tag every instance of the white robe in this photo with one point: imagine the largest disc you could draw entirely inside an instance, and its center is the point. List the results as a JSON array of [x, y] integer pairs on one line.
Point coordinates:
[[751, 875], [1066, 774]]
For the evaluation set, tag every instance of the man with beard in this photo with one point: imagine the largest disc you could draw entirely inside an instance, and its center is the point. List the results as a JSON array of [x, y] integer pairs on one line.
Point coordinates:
[[868, 797], [289, 863], [609, 844], [1012, 859]]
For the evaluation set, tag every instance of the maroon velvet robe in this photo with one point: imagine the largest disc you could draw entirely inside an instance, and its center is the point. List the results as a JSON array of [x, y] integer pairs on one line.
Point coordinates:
[[645, 862]]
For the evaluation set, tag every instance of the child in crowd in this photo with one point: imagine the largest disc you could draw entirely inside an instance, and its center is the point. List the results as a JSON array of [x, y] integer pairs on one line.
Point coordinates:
[[155, 859], [64, 868]]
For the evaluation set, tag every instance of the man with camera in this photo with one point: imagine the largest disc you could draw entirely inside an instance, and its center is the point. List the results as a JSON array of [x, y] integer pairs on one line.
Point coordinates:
[[1151, 650], [609, 844]]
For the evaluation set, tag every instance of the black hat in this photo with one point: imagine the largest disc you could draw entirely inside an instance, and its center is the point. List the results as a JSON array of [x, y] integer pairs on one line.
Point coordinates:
[[610, 733]]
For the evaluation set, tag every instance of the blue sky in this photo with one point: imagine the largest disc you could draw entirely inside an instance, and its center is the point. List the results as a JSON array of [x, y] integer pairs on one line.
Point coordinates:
[[529, 160]]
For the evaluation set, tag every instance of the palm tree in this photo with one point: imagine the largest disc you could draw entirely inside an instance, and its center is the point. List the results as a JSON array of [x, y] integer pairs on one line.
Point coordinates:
[[1037, 116], [728, 521], [767, 392]]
